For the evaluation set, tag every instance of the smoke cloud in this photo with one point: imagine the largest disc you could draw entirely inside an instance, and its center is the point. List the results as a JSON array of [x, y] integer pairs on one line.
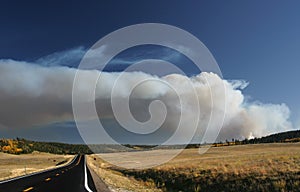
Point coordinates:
[[32, 95]]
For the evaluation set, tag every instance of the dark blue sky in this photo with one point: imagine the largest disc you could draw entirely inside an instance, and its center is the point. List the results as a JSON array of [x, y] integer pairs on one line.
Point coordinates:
[[255, 40]]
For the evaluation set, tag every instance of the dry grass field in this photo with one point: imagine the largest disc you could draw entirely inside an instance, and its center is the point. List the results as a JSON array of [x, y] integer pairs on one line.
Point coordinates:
[[261, 167], [116, 181], [17, 165]]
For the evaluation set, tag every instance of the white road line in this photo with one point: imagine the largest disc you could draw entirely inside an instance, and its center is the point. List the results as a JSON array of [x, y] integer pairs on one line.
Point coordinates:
[[85, 177], [21, 177]]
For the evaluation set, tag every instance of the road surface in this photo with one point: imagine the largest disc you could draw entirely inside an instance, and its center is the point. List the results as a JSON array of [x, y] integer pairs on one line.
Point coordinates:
[[74, 177]]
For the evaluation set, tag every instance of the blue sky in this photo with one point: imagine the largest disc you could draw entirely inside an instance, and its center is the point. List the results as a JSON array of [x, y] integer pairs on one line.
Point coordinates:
[[254, 40]]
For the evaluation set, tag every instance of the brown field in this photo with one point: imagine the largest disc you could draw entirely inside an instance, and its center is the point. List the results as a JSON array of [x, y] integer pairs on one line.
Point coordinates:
[[18, 165], [115, 180], [261, 167]]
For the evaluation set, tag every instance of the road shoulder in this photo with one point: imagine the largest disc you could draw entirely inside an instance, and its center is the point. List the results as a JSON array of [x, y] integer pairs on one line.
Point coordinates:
[[99, 184]]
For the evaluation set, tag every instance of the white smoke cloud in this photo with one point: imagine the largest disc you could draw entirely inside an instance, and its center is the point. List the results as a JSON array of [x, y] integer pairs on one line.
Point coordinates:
[[297, 124], [31, 95]]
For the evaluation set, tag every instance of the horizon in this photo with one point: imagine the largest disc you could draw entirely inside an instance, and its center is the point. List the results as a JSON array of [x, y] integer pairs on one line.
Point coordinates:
[[124, 144]]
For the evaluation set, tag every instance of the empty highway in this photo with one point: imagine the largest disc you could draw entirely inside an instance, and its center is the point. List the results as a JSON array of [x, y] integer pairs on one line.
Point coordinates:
[[74, 177]]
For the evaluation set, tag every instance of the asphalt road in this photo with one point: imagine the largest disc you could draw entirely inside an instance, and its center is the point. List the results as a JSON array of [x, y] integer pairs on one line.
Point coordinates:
[[74, 177]]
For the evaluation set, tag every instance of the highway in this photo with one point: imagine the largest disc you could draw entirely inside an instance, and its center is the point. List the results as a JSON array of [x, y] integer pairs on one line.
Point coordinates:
[[74, 177]]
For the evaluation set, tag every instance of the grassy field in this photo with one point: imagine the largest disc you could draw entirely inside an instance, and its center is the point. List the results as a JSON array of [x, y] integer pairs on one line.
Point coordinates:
[[117, 181], [261, 167], [17, 165]]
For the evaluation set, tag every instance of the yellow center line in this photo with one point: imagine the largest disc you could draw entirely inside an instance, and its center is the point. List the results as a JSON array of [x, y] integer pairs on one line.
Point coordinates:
[[48, 179], [28, 189]]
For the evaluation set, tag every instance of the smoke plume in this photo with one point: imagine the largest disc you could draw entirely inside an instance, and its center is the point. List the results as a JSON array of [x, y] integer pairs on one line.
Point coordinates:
[[31, 95]]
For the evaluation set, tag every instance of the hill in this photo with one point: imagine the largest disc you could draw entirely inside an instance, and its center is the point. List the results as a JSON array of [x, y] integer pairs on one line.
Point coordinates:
[[289, 136], [23, 146]]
